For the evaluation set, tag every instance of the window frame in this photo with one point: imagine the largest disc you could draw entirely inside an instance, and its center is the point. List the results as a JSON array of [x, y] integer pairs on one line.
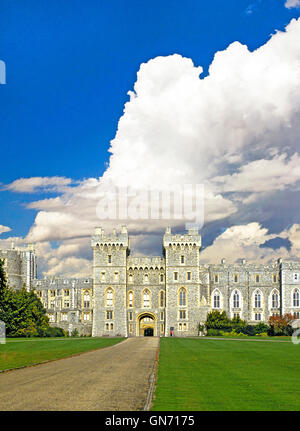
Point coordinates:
[[109, 300], [182, 297], [130, 302], [257, 299], [147, 300], [161, 299], [296, 299], [216, 294]]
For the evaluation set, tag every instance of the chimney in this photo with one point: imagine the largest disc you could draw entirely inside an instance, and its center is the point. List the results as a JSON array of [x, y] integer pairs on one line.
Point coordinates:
[[223, 261], [168, 230]]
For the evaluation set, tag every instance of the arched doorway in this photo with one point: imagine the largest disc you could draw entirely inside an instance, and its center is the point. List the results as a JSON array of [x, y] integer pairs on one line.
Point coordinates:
[[146, 323]]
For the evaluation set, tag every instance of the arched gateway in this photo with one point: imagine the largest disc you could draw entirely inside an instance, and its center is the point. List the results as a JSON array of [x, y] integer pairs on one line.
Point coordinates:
[[146, 324]]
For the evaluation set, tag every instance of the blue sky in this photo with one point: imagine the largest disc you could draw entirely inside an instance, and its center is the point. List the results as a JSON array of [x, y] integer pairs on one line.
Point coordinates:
[[69, 66]]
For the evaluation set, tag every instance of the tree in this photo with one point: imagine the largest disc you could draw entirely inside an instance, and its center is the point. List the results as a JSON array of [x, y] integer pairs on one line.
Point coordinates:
[[4, 294], [218, 320], [237, 322], [281, 325], [261, 328], [3, 282], [21, 311]]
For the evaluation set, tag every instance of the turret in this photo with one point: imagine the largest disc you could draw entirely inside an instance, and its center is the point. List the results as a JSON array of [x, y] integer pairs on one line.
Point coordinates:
[[182, 280], [110, 258]]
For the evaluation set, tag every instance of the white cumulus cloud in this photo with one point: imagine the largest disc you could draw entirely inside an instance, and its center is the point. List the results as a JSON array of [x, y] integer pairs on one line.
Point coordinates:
[[246, 241], [4, 228], [236, 131], [34, 184], [292, 3]]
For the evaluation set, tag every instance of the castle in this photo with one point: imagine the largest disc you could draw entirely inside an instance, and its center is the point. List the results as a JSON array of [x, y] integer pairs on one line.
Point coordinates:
[[169, 295], [19, 265]]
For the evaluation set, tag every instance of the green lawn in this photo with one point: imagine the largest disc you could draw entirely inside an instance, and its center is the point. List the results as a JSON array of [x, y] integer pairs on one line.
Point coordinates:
[[223, 375], [252, 337], [21, 352]]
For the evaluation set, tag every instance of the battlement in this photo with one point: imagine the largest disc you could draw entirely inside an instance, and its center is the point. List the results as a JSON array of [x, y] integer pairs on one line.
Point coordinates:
[[243, 265], [137, 262], [61, 282], [191, 238], [100, 238]]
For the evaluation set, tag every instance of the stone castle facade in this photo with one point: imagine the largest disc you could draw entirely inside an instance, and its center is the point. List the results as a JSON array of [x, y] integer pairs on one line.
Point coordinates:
[[20, 266], [162, 295]]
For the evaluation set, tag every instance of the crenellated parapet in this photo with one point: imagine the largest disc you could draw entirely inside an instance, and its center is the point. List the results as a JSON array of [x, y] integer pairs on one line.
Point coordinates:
[[145, 263], [115, 239], [191, 239]]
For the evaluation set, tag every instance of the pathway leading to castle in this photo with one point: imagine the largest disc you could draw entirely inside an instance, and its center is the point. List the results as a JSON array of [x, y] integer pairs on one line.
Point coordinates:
[[112, 378]]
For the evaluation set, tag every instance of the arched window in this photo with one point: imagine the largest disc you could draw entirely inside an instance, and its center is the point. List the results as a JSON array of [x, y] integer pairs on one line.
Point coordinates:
[[296, 298], [275, 299], [216, 299], [236, 299], [86, 299], [182, 297], [130, 299], [257, 299], [161, 299], [146, 298], [109, 297]]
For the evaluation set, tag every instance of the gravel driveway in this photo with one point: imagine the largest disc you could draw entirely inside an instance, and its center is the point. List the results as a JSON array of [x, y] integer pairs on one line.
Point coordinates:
[[112, 378]]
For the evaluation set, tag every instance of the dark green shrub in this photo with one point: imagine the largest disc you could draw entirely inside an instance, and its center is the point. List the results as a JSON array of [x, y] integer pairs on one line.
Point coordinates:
[[213, 332], [54, 332], [249, 330], [218, 320], [261, 327], [75, 333]]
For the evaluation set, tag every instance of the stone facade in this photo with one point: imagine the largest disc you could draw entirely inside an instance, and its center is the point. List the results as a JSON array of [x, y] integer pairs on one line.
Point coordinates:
[[135, 296], [68, 302], [20, 266]]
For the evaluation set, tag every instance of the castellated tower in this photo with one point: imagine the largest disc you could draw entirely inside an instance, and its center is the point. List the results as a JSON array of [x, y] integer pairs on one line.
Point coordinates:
[[19, 266], [182, 282], [109, 297]]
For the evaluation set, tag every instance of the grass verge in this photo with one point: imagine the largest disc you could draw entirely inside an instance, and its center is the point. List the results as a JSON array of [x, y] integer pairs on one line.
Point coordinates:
[[23, 352], [220, 375]]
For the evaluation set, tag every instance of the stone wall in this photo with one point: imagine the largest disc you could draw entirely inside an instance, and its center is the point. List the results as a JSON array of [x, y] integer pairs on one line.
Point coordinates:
[[20, 266], [182, 283], [68, 302], [110, 257], [130, 294]]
